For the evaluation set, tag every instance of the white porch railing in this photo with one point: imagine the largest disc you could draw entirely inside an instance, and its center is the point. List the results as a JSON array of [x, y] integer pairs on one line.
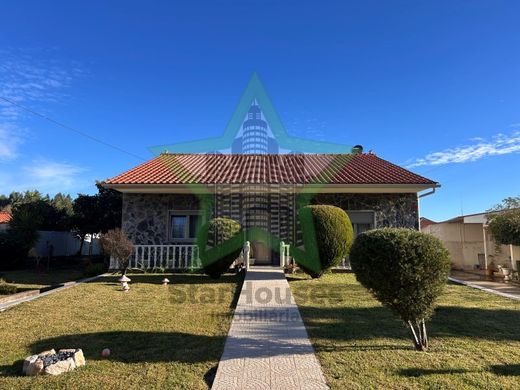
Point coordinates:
[[345, 264], [285, 258], [163, 256]]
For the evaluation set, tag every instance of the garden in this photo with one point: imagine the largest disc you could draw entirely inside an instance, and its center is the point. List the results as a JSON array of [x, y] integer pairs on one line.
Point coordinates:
[[162, 336], [474, 340]]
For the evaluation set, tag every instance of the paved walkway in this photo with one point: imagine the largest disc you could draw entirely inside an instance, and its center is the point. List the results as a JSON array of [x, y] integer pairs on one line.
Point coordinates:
[[508, 290], [267, 346]]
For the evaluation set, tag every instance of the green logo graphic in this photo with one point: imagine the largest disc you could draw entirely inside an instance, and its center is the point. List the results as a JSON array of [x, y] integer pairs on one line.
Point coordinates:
[[255, 127]]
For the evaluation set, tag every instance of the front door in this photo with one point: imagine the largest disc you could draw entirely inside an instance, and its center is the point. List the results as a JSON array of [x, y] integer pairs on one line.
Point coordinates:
[[259, 218], [261, 253]]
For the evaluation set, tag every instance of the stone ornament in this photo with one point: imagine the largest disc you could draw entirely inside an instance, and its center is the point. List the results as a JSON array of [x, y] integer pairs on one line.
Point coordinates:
[[52, 363]]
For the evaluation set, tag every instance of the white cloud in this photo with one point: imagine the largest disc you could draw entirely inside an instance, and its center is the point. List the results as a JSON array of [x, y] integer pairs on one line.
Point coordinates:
[[10, 138], [43, 169], [499, 144], [45, 175], [27, 79]]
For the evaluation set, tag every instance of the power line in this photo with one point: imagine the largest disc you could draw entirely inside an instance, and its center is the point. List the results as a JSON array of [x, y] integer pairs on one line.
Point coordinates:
[[67, 127]]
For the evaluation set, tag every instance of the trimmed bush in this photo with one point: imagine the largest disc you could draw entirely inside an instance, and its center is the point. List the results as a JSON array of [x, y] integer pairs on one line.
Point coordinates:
[[327, 236], [405, 270], [7, 288], [220, 242]]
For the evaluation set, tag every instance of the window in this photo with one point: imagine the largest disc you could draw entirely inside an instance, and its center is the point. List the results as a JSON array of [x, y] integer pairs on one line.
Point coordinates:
[[361, 221], [184, 226], [361, 228]]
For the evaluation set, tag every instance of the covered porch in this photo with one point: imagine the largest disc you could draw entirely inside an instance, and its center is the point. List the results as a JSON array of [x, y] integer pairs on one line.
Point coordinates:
[[186, 257]]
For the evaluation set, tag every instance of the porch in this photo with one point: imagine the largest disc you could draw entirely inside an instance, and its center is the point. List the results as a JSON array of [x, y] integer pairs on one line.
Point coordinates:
[[186, 257]]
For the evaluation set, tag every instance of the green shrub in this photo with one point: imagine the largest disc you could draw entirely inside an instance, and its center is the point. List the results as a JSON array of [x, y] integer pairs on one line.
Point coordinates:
[[327, 237], [505, 227], [94, 269], [7, 288], [13, 250], [220, 242], [21, 236], [405, 270]]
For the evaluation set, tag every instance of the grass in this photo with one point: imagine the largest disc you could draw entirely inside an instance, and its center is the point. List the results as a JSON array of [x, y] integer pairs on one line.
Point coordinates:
[[160, 336], [474, 337], [30, 279]]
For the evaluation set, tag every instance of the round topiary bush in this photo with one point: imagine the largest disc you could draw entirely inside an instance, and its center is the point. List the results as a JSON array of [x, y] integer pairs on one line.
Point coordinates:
[[405, 270], [327, 237], [220, 242]]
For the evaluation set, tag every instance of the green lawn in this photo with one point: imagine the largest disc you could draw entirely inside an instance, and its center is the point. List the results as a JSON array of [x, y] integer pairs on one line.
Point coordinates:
[[160, 336], [475, 338], [30, 279]]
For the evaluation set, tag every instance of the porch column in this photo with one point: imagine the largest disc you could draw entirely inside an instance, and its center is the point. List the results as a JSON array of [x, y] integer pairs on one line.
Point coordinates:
[[246, 249], [282, 254], [485, 246], [511, 253]]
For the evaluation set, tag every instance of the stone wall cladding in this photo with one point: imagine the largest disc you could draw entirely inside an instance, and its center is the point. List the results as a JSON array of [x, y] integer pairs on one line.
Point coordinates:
[[391, 210], [145, 216]]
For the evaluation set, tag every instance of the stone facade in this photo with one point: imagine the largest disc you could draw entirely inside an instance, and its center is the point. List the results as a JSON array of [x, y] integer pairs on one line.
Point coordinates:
[[391, 210], [146, 216]]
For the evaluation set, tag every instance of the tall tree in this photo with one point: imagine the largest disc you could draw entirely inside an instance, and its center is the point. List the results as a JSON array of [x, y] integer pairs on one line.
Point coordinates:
[[97, 213], [504, 222], [509, 203], [86, 216], [4, 202], [110, 208]]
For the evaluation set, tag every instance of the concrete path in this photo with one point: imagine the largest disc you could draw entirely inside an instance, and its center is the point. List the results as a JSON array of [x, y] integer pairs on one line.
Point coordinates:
[[267, 346], [30, 297], [508, 290]]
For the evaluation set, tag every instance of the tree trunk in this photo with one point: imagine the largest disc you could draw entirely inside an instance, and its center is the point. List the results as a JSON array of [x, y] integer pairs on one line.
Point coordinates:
[[424, 335], [81, 244], [419, 336]]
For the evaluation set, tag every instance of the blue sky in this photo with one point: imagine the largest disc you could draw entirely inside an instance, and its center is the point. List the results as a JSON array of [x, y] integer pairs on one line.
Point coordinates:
[[432, 85]]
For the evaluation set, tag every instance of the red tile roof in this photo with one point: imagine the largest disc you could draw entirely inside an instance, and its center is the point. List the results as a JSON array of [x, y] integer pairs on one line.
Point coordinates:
[[5, 216], [268, 169], [426, 222]]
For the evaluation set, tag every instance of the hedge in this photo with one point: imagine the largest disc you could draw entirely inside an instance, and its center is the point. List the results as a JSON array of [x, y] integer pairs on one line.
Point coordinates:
[[220, 242], [327, 237]]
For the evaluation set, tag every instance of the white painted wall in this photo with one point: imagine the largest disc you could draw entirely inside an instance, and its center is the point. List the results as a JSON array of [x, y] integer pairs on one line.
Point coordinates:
[[66, 244], [465, 241]]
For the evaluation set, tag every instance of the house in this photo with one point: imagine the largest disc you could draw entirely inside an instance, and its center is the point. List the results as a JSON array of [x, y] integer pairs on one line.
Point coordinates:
[[5, 217], [470, 244], [167, 198]]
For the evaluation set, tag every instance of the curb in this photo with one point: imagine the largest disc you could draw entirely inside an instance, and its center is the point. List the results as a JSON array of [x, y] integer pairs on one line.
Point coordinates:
[[489, 290], [35, 294]]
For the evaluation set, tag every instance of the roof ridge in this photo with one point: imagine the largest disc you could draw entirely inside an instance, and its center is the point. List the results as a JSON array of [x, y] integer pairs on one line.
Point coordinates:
[[198, 168]]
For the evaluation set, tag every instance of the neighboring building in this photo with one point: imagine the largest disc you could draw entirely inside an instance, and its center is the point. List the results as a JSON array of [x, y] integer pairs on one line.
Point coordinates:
[[166, 198], [425, 222], [63, 243], [5, 217], [470, 244], [66, 244]]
